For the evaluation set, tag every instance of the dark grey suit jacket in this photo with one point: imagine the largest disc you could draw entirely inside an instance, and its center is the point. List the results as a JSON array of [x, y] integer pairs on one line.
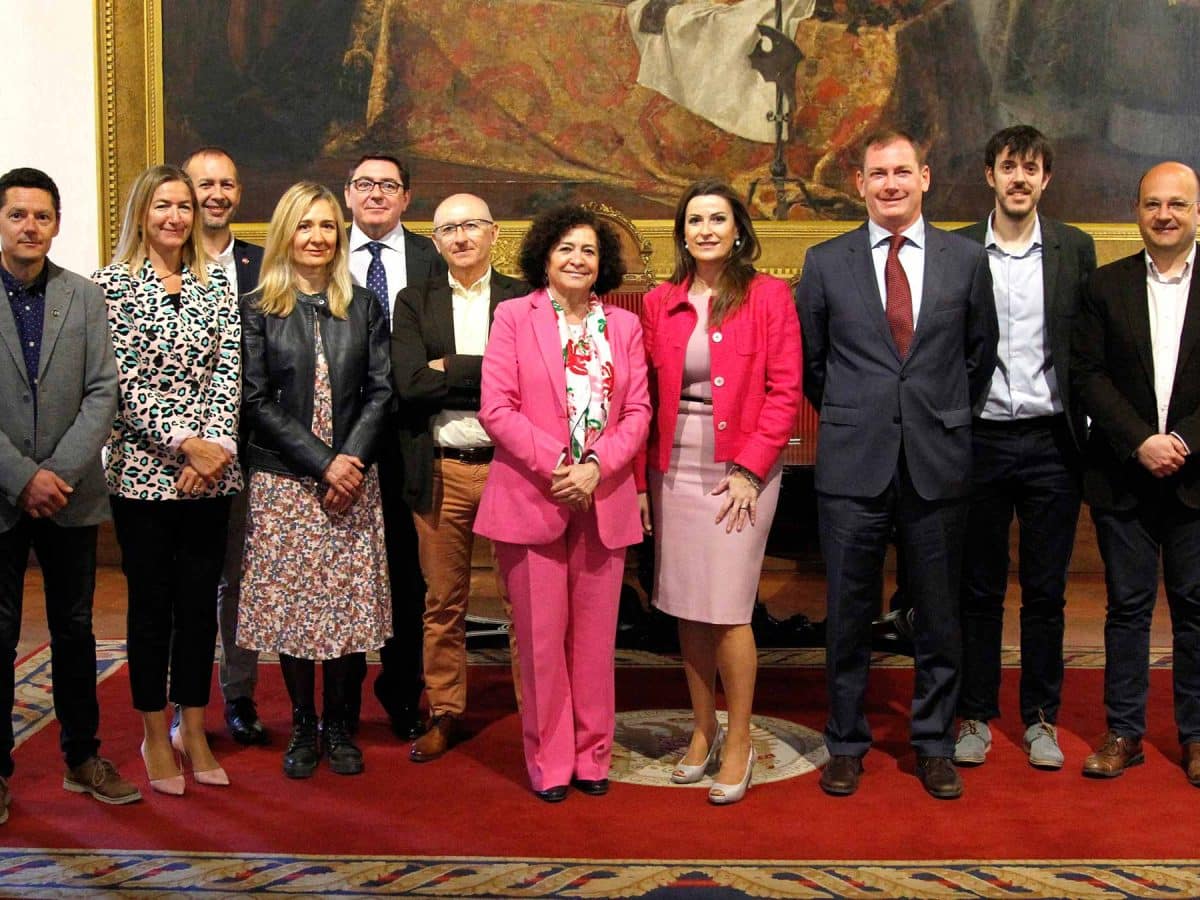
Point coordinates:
[[870, 401], [423, 329], [77, 400], [248, 259], [1068, 258], [1113, 372]]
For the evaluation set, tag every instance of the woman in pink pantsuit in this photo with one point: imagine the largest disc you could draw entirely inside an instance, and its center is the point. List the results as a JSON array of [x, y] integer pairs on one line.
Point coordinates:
[[564, 399]]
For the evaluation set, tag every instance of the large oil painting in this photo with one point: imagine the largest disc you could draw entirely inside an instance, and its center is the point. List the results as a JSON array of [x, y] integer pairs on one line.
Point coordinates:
[[530, 102]]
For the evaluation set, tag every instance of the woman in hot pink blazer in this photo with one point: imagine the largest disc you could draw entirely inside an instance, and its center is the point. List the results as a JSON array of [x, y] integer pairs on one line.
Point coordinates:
[[564, 400], [723, 343]]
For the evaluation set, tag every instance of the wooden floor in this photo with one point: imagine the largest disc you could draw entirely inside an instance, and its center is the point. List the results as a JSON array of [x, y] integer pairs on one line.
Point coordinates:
[[786, 588]]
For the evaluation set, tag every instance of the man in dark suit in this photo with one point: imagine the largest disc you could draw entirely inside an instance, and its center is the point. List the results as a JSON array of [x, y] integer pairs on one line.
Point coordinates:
[[1136, 374], [439, 333], [899, 330], [1027, 439], [219, 193], [386, 257], [58, 396]]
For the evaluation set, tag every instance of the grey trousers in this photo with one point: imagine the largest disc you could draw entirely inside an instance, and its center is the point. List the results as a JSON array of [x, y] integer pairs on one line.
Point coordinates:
[[239, 667]]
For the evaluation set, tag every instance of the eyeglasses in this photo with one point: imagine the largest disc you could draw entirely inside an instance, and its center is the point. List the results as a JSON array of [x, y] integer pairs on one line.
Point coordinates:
[[472, 228], [366, 185]]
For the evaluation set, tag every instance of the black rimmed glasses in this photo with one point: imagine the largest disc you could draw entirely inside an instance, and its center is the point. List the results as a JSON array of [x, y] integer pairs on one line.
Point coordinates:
[[388, 186], [472, 228]]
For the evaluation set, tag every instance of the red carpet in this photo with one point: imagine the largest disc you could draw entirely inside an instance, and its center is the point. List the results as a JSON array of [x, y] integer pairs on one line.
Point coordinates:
[[475, 801]]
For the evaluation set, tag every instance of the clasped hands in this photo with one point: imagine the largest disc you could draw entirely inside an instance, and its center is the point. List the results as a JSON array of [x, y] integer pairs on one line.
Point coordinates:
[[1162, 454], [344, 476], [206, 463], [44, 494], [573, 484]]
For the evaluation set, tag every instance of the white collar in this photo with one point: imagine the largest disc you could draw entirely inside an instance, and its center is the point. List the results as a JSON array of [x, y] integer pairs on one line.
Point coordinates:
[[393, 239], [915, 233]]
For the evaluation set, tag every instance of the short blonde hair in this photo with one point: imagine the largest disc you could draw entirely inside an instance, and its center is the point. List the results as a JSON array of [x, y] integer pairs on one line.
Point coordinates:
[[131, 245], [277, 277]]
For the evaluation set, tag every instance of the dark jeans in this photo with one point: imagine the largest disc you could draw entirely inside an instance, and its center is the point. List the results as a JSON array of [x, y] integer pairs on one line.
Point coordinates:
[[855, 532], [1027, 467], [400, 678], [68, 560], [1130, 543], [171, 553]]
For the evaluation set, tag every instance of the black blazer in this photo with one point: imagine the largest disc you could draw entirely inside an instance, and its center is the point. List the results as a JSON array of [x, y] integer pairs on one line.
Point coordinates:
[[423, 329], [421, 259], [247, 258], [278, 368], [1068, 258], [1113, 372], [870, 401]]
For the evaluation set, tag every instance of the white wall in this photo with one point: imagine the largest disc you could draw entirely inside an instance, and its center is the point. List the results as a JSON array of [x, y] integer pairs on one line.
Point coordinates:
[[48, 113]]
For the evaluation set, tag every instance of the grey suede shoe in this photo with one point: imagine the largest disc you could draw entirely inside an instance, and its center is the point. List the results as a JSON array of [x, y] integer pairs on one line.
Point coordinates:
[[974, 741], [1041, 743]]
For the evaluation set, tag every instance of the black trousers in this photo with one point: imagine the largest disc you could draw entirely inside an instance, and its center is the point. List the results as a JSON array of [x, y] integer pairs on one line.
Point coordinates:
[[1131, 543], [68, 560], [1028, 468], [855, 532], [171, 553], [400, 679]]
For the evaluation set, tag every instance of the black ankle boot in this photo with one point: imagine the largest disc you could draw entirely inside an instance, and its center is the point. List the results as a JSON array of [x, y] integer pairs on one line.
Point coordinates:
[[344, 757], [301, 757]]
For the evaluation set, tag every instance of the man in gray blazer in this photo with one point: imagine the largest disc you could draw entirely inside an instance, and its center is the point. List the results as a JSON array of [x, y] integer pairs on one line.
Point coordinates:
[[58, 396], [899, 331], [1027, 439]]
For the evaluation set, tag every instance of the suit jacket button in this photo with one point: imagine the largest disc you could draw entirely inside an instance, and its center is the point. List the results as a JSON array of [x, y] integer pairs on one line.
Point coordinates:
[[895, 420], [719, 381], [722, 425], [717, 338]]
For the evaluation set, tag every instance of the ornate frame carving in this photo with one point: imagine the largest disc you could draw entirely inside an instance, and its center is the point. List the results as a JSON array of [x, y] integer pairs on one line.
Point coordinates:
[[130, 109]]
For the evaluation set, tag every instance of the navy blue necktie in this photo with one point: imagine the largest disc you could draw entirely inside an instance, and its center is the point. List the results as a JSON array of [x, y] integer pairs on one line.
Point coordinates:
[[377, 279]]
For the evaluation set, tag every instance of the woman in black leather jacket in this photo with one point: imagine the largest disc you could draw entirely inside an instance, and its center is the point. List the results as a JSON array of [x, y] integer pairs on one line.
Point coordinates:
[[315, 391]]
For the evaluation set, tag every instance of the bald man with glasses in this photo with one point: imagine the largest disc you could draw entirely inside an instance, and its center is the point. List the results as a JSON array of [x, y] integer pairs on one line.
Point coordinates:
[[439, 333]]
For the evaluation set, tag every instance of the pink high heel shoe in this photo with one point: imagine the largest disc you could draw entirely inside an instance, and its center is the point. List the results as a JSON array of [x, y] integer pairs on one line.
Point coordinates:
[[213, 777], [172, 784]]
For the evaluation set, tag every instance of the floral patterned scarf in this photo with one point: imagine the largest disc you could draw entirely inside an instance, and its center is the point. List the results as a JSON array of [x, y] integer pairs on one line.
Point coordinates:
[[587, 359]]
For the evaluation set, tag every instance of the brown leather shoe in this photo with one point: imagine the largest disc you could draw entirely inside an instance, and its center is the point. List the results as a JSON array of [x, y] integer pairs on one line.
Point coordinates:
[[840, 778], [939, 777], [1113, 756], [1191, 761], [436, 741]]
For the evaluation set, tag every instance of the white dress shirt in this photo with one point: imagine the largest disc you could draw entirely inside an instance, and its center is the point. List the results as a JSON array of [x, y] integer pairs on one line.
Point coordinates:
[[1024, 384], [226, 261], [394, 261], [1168, 299], [912, 260], [460, 428]]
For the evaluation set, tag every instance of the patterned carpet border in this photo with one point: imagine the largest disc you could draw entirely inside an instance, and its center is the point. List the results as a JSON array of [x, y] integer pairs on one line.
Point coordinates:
[[116, 873], [124, 873]]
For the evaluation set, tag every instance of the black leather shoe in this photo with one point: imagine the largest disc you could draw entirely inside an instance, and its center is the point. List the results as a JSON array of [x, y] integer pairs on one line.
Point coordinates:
[[344, 756], [555, 794], [301, 757], [597, 787], [840, 777], [939, 777], [241, 715], [405, 718]]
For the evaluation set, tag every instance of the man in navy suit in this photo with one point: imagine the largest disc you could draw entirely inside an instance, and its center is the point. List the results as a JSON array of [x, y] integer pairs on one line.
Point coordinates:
[[219, 193], [1136, 373], [385, 257], [899, 331]]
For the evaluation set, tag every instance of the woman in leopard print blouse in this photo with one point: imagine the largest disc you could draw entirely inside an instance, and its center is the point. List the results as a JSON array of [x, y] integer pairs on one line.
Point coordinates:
[[170, 461]]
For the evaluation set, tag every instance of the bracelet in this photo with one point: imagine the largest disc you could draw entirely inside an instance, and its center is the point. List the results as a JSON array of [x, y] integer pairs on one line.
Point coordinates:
[[754, 480]]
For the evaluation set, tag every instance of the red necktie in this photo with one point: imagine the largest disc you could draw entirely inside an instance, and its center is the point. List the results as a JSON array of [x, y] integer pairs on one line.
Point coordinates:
[[899, 298]]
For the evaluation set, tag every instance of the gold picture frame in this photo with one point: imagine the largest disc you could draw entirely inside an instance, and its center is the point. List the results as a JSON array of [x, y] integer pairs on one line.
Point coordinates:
[[130, 114]]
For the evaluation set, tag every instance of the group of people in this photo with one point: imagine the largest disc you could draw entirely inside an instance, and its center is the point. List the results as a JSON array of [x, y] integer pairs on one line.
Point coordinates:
[[297, 444]]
